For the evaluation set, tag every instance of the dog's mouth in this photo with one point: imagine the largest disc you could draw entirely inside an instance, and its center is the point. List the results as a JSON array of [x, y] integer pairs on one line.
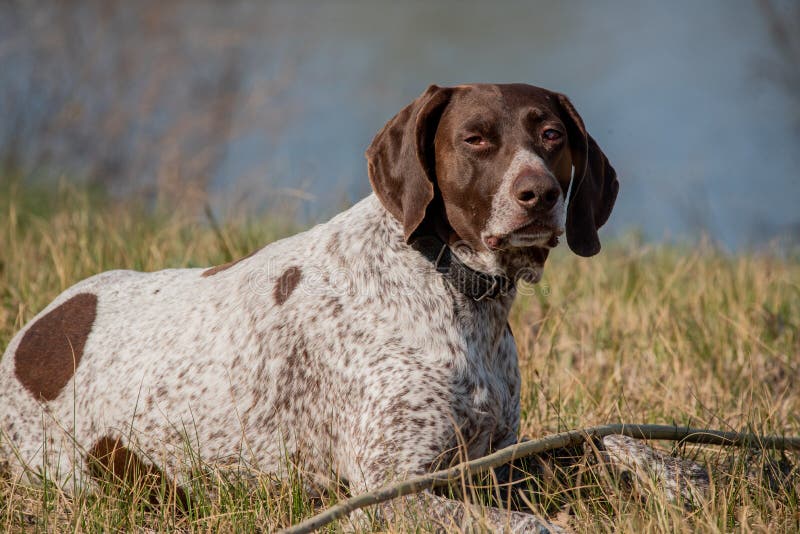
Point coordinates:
[[529, 234]]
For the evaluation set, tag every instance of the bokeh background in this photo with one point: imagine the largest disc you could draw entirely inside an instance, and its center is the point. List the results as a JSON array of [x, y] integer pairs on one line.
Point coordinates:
[[240, 106]]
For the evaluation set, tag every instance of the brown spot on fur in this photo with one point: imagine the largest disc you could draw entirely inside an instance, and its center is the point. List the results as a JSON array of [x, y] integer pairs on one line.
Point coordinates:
[[52, 348], [214, 270], [286, 283], [108, 457]]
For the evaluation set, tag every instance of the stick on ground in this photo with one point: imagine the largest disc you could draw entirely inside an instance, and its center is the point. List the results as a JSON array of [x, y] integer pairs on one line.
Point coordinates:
[[529, 448]]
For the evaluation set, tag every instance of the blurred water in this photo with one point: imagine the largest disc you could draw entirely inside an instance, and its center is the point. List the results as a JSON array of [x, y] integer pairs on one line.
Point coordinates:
[[675, 93]]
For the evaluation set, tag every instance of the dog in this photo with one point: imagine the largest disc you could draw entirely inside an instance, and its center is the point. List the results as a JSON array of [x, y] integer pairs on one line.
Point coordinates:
[[372, 347]]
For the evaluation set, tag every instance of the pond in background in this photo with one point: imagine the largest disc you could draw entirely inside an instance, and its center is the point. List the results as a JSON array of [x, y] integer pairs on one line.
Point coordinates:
[[273, 101]]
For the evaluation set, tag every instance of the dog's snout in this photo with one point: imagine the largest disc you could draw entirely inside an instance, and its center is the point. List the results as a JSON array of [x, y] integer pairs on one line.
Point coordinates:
[[534, 192]]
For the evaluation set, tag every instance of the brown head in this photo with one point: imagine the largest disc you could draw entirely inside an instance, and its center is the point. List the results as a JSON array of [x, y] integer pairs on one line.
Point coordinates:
[[490, 166]]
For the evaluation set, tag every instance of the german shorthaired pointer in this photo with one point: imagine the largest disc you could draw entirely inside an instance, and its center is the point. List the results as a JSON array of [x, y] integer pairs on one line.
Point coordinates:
[[368, 348]]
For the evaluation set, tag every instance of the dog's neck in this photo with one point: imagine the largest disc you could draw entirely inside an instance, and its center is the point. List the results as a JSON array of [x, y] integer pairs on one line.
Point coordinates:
[[380, 258], [513, 263], [507, 263], [516, 264], [475, 284]]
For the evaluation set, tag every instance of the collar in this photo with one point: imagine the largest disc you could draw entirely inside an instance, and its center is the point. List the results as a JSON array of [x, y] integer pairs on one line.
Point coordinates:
[[474, 284]]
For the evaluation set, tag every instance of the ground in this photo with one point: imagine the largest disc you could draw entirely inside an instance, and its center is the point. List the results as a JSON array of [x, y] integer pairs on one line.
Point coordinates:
[[651, 333]]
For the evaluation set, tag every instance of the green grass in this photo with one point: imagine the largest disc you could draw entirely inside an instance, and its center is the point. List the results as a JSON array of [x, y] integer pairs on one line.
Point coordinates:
[[641, 333]]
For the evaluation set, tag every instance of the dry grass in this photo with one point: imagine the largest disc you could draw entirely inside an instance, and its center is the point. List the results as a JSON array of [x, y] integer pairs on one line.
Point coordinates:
[[642, 333]]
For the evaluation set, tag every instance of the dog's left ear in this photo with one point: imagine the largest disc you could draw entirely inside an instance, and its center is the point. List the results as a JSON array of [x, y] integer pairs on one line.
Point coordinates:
[[400, 159], [594, 185]]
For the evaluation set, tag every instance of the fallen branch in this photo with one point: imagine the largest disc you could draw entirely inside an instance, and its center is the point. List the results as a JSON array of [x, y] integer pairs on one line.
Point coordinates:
[[538, 446]]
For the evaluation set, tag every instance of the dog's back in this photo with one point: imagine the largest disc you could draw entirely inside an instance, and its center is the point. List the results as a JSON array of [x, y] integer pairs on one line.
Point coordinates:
[[295, 348]]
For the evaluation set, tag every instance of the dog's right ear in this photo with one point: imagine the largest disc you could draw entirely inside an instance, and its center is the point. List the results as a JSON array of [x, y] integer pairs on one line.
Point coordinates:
[[401, 161]]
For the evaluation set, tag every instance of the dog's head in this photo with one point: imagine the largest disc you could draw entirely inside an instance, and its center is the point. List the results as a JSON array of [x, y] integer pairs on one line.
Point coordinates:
[[490, 166]]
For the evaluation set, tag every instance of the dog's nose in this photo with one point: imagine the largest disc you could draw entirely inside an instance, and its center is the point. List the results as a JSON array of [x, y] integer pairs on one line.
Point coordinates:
[[537, 193]]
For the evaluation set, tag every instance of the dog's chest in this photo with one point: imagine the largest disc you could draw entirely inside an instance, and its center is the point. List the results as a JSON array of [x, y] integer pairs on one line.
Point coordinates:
[[486, 389]]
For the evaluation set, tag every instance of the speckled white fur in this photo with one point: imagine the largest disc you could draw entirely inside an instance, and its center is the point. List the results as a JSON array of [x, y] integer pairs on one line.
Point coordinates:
[[372, 368]]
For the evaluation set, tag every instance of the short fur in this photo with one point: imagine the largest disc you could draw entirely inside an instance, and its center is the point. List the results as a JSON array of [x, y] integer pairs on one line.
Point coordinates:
[[341, 346]]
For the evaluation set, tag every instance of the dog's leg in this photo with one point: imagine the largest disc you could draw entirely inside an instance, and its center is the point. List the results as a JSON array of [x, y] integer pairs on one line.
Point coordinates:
[[451, 515]]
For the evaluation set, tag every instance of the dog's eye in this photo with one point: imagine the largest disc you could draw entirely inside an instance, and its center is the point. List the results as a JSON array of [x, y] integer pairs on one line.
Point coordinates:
[[551, 134], [475, 140]]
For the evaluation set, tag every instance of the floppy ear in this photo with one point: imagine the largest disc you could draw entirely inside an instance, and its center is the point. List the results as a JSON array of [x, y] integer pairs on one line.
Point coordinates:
[[401, 158], [594, 185]]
